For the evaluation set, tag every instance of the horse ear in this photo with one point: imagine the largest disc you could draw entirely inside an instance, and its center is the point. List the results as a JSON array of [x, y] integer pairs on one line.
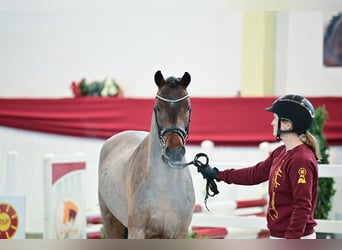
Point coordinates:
[[159, 78], [186, 78]]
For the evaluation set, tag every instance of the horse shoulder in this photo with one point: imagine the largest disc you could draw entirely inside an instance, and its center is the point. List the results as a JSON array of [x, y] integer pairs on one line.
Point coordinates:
[[121, 142]]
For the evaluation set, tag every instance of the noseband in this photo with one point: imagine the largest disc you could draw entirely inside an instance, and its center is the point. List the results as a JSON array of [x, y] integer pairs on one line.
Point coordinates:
[[183, 133]]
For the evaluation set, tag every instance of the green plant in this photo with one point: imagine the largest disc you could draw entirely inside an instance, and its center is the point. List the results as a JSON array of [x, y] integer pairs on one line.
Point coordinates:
[[103, 235], [194, 235], [107, 87], [326, 189]]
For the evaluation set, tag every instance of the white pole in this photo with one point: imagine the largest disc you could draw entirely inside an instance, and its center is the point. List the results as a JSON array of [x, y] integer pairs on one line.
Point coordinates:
[[12, 173], [47, 161], [207, 147]]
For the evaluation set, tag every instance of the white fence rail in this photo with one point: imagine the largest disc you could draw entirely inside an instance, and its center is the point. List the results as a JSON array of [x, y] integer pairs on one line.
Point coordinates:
[[214, 219], [254, 222], [324, 170]]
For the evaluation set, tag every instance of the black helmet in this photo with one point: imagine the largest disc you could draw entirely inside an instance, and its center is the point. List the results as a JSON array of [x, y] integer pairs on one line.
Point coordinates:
[[295, 108]]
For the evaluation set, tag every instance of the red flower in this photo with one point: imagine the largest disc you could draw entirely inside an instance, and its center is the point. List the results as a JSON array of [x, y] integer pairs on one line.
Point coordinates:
[[76, 89]]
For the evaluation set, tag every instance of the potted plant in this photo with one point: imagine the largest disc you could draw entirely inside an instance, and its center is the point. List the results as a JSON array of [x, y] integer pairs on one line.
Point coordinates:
[[326, 189]]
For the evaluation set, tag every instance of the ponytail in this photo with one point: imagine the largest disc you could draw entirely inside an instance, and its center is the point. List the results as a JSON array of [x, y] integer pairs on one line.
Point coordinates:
[[308, 139]]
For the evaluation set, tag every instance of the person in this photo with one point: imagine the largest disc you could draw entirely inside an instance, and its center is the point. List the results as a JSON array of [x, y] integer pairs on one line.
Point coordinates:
[[291, 169]]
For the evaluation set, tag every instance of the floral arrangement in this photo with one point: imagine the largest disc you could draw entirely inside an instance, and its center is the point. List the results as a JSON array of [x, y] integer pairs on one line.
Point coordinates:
[[106, 88]]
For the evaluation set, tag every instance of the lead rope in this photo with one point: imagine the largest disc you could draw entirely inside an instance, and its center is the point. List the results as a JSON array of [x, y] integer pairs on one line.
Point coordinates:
[[211, 184]]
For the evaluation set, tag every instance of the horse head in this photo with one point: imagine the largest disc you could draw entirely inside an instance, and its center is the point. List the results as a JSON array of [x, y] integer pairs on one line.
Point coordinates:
[[172, 113]]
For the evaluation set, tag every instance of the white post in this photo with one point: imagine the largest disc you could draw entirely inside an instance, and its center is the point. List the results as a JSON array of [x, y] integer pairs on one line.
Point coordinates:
[[47, 160], [12, 173], [207, 146], [64, 185]]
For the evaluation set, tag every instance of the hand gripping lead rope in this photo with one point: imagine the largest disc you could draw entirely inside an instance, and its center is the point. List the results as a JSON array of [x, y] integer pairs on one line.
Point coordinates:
[[211, 184]]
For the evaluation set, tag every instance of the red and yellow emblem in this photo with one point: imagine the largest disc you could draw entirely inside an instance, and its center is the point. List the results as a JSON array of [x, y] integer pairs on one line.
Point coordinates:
[[8, 221], [301, 179]]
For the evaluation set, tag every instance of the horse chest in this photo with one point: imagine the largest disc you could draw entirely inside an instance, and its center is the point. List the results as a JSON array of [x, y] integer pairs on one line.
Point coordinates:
[[173, 192]]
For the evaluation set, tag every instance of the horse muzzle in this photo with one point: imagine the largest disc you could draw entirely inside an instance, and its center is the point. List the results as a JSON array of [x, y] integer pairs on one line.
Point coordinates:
[[173, 139]]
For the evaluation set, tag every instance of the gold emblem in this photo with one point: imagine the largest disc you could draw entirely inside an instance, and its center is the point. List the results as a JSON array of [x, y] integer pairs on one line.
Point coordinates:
[[302, 173]]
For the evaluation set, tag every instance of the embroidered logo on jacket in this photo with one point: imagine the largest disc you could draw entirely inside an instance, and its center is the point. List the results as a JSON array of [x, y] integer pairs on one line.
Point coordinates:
[[272, 210], [301, 179]]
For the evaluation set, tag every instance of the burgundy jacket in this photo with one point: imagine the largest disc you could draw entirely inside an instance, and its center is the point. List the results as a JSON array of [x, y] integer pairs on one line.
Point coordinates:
[[292, 188]]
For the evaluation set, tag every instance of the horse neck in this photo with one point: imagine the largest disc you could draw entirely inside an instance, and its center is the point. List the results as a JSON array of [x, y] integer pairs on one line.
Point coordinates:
[[154, 147]]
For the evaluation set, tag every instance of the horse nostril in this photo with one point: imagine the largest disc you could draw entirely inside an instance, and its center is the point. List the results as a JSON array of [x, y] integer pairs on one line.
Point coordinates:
[[175, 154], [182, 150]]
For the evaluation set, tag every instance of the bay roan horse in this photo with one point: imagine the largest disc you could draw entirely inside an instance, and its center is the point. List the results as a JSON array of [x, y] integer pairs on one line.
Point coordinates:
[[144, 189]]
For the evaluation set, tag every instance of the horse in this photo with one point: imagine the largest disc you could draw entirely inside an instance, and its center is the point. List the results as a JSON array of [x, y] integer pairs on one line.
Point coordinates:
[[145, 191], [333, 42]]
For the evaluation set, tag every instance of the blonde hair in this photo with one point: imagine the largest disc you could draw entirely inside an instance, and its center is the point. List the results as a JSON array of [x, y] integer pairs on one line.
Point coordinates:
[[309, 139]]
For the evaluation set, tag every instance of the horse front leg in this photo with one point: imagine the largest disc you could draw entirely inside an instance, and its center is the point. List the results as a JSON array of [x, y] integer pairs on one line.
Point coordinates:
[[136, 233], [183, 235], [113, 228], [136, 226]]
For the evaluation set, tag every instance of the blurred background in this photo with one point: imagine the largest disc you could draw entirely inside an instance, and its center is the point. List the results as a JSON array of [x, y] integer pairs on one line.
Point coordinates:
[[229, 53]]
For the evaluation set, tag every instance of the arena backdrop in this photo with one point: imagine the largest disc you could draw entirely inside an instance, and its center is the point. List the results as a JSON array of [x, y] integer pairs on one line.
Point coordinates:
[[237, 121]]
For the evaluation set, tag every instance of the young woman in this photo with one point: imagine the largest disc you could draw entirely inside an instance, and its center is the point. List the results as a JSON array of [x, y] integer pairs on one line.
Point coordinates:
[[291, 170]]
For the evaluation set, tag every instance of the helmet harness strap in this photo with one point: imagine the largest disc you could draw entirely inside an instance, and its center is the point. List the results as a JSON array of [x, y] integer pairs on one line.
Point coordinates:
[[281, 131], [278, 130]]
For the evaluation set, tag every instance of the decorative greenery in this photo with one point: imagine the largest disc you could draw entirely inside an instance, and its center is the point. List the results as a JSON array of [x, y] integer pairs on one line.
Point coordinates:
[[325, 185], [326, 189], [106, 88], [103, 235], [194, 235]]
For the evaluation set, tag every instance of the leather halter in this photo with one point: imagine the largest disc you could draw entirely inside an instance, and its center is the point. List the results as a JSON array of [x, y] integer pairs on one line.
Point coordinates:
[[183, 133]]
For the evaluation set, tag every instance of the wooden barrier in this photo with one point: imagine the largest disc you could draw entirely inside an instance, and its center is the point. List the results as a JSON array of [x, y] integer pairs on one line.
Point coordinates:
[[211, 232], [94, 219], [64, 196]]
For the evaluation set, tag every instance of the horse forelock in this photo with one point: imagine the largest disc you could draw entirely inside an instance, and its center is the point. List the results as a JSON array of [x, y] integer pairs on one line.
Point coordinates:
[[172, 82], [172, 89]]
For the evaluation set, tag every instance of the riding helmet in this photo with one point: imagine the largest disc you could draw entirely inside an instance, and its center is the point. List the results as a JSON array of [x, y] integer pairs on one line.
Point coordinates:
[[296, 108]]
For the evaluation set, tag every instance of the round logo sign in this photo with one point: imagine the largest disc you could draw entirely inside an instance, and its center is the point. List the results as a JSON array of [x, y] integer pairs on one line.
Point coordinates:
[[8, 221]]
